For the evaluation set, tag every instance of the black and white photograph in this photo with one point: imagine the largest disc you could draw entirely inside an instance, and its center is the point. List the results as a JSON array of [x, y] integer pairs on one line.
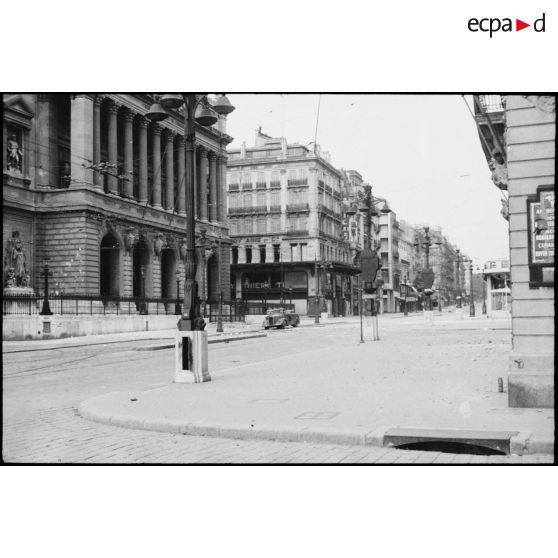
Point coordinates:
[[278, 278]]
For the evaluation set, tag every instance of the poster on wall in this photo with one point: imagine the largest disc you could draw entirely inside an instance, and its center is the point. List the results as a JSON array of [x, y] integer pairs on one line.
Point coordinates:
[[541, 236]]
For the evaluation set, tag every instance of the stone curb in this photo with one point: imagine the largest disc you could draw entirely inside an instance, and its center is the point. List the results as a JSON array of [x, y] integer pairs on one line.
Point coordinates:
[[126, 341], [89, 411], [209, 342]]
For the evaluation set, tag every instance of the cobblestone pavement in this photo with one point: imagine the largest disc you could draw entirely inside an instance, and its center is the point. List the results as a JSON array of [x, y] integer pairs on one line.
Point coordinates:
[[43, 389], [58, 435]]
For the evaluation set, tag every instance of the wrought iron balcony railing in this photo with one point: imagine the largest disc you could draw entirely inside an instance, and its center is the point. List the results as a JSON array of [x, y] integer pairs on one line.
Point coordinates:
[[293, 207], [491, 103]]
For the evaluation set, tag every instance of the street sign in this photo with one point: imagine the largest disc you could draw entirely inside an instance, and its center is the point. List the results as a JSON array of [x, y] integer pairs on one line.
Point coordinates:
[[428, 278], [368, 297], [369, 264]]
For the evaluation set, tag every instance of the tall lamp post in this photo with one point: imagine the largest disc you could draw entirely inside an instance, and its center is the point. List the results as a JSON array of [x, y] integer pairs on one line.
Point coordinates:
[[177, 305], [220, 310], [405, 290], [428, 274], [458, 262], [197, 110], [369, 257], [191, 350], [46, 273], [317, 279], [483, 290], [472, 300], [142, 303]]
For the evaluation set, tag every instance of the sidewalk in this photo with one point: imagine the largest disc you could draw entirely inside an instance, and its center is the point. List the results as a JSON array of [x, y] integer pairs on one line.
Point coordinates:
[[424, 378], [231, 332]]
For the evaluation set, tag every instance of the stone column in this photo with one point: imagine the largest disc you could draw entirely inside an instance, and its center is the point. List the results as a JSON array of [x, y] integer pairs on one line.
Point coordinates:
[[45, 176], [112, 147], [128, 153], [202, 189], [143, 123], [222, 189], [156, 157], [170, 171], [181, 169], [97, 178], [81, 140], [213, 186]]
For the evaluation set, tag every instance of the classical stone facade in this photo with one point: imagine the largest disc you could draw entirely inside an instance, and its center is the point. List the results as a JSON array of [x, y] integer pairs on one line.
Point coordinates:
[[524, 146], [91, 184]]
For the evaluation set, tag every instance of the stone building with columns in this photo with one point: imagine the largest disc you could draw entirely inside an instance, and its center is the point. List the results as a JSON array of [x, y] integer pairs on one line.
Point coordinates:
[[286, 226], [92, 185]]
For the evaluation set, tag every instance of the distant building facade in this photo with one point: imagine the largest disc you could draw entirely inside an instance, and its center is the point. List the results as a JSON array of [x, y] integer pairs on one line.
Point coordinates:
[[286, 224]]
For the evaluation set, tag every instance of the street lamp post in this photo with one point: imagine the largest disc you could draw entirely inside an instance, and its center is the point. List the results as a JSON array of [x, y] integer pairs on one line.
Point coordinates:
[[483, 293], [177, 305], [369, 257], [45, 310], [290, 296], [317, 279], [458, 261], [142, 305], [220, 310], [406, 288], [472, 300], [197, 110]]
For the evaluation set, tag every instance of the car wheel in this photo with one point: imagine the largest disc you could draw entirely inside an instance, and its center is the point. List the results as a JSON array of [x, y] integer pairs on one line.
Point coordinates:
[[266, 327]]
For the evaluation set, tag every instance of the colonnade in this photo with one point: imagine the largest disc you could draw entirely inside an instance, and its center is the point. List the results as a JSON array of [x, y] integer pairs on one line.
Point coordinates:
[[141, 160]]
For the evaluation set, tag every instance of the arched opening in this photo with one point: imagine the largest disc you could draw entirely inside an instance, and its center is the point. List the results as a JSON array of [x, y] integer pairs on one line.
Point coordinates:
[[213, 280], [168, 273], [110, 268], [140, 270]]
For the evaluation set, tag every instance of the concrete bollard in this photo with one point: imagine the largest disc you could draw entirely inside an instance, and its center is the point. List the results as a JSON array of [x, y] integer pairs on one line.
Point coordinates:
[[191, 357]]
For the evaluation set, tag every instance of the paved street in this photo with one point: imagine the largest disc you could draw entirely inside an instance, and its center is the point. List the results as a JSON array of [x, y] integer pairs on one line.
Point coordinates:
[[43, 389]]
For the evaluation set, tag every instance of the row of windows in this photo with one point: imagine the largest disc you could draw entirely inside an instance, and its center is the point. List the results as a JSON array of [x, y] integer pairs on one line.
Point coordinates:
[[300, 175], [265, 225], [248, 199], [330, 227]]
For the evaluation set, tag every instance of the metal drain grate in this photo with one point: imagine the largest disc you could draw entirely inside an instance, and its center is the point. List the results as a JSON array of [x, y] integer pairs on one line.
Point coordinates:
[[476, 442]]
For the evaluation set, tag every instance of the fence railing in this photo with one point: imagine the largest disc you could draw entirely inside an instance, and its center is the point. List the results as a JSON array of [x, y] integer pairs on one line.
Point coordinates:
[[77, 304]]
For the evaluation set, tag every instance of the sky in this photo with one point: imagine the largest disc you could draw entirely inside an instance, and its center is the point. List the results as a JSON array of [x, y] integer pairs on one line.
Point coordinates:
[[421, 152]]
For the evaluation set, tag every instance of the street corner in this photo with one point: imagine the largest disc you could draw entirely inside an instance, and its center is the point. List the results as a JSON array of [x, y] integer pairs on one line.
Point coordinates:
[[114, 408]]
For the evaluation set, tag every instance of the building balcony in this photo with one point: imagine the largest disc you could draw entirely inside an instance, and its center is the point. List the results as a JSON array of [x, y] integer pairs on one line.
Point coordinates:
[[295, 232], [298, 207], [491, 103], [293, 183], [234, 187], [247, 186], [275, 184], [261, 185], [239, 210], [259, 209], [275, 209]]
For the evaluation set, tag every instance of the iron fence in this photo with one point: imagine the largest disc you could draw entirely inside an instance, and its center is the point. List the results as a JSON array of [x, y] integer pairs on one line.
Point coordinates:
[[82, 304]]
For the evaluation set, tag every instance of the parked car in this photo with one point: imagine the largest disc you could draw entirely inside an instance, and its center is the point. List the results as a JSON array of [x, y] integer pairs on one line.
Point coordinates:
[[281, 318]]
